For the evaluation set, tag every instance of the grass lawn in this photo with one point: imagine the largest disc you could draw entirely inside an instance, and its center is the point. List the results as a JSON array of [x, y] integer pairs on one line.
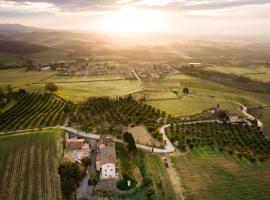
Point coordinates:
[[7, 59], [208, 174], [191, 105], [29, 166]]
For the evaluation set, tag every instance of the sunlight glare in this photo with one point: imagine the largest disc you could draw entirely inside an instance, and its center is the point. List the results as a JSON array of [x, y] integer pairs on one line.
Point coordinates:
[[132, 20]]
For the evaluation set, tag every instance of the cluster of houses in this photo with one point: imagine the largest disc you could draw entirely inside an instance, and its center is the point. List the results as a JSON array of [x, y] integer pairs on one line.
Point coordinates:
[[106, 162], [71, 68]]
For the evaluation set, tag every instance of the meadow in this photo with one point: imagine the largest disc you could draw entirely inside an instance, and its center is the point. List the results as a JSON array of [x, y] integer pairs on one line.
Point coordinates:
[[29, 166], [209, 174]]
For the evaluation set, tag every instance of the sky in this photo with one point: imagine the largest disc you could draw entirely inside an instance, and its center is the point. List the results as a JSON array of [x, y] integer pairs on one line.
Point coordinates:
[[227, 17]]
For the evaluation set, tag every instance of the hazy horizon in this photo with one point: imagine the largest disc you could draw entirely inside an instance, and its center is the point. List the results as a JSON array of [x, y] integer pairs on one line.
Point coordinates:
[[246, 18]]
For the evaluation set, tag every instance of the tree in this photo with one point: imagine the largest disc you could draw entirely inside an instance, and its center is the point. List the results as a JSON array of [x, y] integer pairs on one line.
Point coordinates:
[[93, 178], [51, 87], [185, 90], [128, 138]]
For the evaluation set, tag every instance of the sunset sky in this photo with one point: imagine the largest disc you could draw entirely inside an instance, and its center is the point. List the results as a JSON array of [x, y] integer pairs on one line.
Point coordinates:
[[186, 16]]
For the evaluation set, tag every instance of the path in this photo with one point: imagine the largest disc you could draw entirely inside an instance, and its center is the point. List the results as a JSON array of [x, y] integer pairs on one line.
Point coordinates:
[[169, 148], [83, 189]]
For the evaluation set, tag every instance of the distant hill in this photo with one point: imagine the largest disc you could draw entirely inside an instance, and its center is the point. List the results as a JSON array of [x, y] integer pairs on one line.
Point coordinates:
[[11, 29], [2, 37], [20, 47]]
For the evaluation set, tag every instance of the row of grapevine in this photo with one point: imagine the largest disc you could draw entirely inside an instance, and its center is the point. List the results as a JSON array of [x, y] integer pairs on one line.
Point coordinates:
[[30, 167], [33, 111]]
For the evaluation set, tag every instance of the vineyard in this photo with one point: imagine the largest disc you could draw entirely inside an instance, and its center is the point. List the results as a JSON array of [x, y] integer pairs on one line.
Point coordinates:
[[111, 114], [28, 167], [33, 110], [240, 139]]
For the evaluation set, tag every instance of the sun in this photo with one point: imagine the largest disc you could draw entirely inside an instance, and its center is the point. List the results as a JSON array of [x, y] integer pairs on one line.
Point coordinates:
[[132, 20]]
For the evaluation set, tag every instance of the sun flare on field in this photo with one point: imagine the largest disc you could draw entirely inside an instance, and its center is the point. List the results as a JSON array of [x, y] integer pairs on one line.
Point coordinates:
[[132, 20]]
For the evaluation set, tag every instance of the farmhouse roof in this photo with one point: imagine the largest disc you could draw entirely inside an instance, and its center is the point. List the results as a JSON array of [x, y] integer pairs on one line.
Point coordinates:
[[231, 114], [107, 155]]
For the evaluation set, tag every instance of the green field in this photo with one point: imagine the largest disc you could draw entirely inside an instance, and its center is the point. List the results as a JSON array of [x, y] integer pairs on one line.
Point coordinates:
[[29, 166], [256, 73], [81, 91], [75, 88], [7, 59], [189, 105], [19, 78], [207, 174], [70, 79], [47, 56], [234, 69], [260, 77]]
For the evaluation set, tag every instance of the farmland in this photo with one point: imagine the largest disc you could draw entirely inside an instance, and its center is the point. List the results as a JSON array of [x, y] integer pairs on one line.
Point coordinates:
[[255, 73], [29, 166], [189, 105], [156, 169], [33, 111], [109, 116], [8, 59], [75, 88], [209, 174], [46, 56], [245, 141]]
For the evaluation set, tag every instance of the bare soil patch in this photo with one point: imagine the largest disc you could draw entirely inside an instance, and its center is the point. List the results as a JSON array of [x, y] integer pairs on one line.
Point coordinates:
[[142, 136]]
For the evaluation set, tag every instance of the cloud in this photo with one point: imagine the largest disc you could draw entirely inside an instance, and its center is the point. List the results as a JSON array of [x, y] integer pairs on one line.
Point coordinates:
[[104, 5]]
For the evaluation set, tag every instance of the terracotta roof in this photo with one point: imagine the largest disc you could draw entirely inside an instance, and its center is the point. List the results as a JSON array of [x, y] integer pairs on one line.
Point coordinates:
[[107, 155]]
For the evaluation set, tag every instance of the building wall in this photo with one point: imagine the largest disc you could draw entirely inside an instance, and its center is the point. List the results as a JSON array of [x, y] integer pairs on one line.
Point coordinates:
[[108, 171]]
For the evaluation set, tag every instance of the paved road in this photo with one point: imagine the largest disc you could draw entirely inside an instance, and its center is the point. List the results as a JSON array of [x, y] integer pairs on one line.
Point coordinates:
[[169, 148], [83, 189]]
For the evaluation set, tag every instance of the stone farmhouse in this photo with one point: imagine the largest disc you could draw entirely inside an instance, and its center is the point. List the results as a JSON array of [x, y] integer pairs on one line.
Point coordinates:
[[106, 161]]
